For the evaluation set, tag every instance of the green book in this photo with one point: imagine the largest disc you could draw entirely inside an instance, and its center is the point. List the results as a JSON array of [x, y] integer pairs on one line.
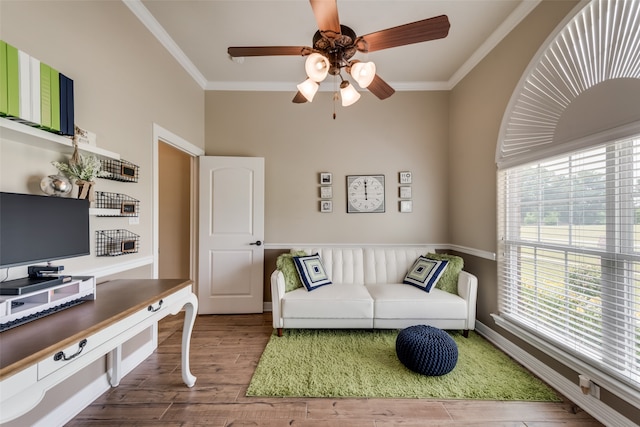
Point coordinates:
[[55, 99], [45, 95], [13, 85], [4, 106]]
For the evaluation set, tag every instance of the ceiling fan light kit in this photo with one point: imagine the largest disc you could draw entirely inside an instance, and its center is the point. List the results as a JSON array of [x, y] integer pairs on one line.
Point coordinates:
[[334, 45], [317, 67], [308, 89], [348, 94], [362, 72]]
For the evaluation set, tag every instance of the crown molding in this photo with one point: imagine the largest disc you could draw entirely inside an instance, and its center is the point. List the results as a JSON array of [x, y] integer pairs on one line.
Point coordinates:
[[496, 37], [291, 86], [143, 14]]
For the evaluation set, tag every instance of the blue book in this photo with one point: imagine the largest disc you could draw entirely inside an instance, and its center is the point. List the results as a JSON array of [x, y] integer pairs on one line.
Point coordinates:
[[66, 106]]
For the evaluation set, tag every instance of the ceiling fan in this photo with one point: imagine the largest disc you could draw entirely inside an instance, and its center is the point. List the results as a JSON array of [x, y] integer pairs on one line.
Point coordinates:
[[334, 45]]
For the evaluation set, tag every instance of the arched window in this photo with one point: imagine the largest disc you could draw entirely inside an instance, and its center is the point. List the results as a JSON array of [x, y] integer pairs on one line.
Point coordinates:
[[569, 197]]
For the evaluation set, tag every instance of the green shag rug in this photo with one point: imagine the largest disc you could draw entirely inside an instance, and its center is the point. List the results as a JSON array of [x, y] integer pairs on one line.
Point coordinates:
[[363, 363]]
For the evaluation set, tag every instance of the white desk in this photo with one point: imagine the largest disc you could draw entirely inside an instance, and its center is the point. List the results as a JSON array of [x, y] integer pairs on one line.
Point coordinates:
[[36, 356]]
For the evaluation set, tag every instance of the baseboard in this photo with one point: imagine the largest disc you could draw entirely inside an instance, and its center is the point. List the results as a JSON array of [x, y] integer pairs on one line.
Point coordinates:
[[594, 407], [267, 306], [87, 395]]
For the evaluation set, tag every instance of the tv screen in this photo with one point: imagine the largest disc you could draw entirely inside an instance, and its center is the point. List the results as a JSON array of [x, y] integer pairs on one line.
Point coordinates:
[[37, 229]]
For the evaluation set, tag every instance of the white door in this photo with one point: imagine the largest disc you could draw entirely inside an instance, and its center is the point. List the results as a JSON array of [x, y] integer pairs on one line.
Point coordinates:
[[231, 254]]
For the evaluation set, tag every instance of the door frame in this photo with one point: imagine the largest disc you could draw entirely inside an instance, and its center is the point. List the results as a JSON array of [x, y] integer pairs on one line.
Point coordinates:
[[161, 134]]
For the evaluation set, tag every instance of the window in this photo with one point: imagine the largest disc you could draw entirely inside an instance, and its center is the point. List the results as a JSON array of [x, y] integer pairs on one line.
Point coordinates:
[[569, 256]]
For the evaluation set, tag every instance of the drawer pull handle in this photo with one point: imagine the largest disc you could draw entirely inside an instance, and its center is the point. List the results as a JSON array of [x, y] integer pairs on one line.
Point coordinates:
[[153, 310], [61, 356]]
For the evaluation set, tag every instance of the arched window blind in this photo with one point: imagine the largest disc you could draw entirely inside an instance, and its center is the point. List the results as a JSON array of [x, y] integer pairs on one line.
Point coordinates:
[[599, 44], [569, 210]]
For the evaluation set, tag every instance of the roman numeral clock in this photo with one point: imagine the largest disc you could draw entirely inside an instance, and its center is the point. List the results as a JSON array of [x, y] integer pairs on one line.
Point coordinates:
[[365, 193]]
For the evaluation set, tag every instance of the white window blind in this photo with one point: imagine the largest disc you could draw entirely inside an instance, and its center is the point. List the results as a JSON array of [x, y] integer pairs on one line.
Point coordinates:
[[569, 255]]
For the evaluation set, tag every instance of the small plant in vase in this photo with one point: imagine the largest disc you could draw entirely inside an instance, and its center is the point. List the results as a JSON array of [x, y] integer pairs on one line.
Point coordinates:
[[83, 170]]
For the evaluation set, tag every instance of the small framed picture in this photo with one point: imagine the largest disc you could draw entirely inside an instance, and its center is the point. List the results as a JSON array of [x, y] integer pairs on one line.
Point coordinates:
[[325, 178], [406, 206], [326, 206], [405, 177], [326, 192], [405, 192]]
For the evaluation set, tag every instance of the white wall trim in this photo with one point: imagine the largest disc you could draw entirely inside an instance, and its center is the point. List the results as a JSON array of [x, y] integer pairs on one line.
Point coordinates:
[[496, 37], [445, 246], [596, 408], [160, 134], [147, 19]]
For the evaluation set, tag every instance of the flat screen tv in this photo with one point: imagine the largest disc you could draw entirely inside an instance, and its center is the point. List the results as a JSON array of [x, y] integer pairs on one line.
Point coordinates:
[[35, 229]]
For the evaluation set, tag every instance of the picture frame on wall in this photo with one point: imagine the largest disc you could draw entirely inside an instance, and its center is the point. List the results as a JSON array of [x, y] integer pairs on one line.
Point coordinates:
[[326, 178], [326, 192], [406, 206], [326, 206], [405, 192], [405, 177]]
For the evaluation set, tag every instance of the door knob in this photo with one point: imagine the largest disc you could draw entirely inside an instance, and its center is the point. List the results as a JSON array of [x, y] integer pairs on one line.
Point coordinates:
[[257, 243]]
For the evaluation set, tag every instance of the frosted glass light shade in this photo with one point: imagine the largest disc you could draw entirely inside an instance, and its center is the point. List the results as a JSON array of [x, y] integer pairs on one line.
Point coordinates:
[[349, 95], [316, 67], [308, 89], [363, 73]]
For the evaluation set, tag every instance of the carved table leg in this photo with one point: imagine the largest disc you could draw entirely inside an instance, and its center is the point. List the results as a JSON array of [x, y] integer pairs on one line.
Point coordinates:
[[191, 309]]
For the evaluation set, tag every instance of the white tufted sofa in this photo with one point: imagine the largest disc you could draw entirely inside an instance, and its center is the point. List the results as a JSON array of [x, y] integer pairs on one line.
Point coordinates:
[[367, 292]]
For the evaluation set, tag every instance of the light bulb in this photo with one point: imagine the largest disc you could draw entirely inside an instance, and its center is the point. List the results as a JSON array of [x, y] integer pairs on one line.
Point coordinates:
[[349, 94], [363, 73], [317, 67], [308, 89]]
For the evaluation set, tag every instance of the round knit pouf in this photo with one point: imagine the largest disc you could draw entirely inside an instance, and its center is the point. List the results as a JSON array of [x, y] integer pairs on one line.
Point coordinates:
[[427, 350]]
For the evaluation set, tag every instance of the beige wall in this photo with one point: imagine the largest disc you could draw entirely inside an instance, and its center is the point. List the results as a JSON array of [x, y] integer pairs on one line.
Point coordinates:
[[478, 104], [408, 131], [124, 81]]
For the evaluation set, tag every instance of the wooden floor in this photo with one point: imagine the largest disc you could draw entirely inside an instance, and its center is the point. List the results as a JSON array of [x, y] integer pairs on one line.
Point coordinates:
[[224, 353]]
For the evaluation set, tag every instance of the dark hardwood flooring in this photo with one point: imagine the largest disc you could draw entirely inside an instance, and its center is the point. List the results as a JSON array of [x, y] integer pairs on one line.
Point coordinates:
[[224, 352]]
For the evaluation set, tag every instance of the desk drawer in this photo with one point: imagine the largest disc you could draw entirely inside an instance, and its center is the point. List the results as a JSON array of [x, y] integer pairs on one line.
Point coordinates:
[[109, 337]]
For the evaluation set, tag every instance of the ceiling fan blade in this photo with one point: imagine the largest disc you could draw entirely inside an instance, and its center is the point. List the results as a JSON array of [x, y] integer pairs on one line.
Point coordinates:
[[380, 88], [326, 13], [415, 32], [267, 50], [299, 98]]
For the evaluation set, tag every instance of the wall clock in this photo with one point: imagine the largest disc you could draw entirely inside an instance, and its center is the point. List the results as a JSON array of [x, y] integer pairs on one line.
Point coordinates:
[[365, 193]]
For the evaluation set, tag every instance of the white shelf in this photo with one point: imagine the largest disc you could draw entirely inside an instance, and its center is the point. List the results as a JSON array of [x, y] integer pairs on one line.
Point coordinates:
[[11, 130], [104, 212]]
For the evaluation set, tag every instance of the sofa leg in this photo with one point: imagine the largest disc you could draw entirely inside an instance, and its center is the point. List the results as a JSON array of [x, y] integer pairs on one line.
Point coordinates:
[[465, 333], [279, 332]]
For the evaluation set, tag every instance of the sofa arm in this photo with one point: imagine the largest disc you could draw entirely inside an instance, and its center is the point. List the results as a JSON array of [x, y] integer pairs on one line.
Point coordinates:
[[468, 289], [277, 292]]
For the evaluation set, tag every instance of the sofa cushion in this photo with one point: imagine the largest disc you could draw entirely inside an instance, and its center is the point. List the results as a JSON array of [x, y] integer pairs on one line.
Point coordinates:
[[343, 265], [311, 271], [335, 301], [390, 264], [425, 273], [449, 280], [285, 264], [399, 301]]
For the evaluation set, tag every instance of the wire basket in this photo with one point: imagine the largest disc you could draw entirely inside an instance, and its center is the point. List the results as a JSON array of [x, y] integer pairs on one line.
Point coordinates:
[[119, 170], [116, 242], [118, 204]]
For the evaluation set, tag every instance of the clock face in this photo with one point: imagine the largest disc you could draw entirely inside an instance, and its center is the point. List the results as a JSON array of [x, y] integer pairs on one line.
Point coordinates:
[[365, 193]]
